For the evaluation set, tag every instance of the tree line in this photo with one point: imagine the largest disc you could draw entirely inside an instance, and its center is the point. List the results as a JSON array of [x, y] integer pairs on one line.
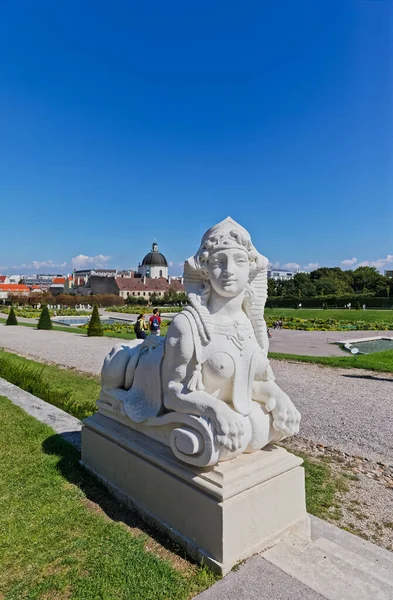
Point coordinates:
[[325, 281]]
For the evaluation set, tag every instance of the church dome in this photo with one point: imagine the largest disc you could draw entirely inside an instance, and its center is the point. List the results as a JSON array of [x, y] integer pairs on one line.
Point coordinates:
[[154, 258]]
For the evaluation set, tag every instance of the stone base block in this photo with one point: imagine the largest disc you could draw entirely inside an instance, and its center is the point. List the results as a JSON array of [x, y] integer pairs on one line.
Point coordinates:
[[221, 515]]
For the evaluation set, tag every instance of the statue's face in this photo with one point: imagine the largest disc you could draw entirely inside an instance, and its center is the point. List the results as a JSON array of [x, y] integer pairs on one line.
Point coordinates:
[[229, 271]]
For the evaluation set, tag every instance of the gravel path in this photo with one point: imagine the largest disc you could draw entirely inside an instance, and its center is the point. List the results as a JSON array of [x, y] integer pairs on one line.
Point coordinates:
[[68, 349], [349, 409]]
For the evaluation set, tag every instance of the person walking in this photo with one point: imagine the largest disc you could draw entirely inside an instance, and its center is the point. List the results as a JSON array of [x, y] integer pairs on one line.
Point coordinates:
[[155, 323], [140, 327]]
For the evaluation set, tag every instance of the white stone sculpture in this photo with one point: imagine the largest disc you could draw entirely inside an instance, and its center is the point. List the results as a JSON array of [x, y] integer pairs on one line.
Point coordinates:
[[206, 390]]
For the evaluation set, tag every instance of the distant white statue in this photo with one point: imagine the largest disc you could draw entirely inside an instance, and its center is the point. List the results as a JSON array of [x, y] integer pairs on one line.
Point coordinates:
[[207, 389]]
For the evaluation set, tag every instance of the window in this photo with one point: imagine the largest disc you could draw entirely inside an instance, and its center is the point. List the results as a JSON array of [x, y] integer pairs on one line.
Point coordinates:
[[160, 272], [128, 293], [139, 293]]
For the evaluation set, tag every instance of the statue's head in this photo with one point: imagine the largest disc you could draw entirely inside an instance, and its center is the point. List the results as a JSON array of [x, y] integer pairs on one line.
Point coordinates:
[[228, 264], [227, 259]]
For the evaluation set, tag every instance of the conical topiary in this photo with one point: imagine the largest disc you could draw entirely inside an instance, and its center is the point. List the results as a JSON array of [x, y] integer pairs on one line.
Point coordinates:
[[44, 320], [95, 327], [11, 320]]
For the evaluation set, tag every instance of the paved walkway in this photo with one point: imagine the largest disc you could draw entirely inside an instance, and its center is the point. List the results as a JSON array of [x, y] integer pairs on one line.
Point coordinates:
[[349, 409], [316, 343], [334, 565]]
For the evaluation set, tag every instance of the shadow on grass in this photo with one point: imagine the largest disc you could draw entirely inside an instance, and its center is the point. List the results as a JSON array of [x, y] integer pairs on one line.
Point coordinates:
[[97, 493]]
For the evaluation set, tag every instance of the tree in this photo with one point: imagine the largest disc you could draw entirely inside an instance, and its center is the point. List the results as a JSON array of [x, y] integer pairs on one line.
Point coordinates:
[[271, 287], [306, 288], [154, 298], [368, 280], [11, 319], [95, 325], [44, 320], [136, 301]]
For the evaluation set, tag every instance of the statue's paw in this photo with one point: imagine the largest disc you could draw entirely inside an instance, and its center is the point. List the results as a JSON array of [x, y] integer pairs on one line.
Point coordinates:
[[229, 428], [286, 419]]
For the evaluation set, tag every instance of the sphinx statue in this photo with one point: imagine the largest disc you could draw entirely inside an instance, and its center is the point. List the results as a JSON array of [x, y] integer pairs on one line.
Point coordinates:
[[206, 390]]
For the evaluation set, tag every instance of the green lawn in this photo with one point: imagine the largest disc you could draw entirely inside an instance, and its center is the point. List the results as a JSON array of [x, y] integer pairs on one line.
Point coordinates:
[[74, 392], [378, 361], [339, 315], [55, 541], [322, 488], [62, 537]]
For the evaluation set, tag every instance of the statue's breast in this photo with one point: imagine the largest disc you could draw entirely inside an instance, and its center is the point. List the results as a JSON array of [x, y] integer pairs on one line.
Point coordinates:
[[228, 365], [220, 364]]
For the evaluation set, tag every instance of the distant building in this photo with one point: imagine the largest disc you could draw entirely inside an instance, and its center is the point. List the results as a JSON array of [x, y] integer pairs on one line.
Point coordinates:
[[13, 279], [10, 289], [4, 279], [154, 265], [42, 280], [389, 274], [280, 274], [145, 286], [57, 286], [81, 280], [68, 284], [151, 278]]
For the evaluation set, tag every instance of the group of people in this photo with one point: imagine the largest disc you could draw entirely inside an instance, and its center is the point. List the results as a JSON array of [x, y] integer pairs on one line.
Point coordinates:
[[277, 324], [154, 326]]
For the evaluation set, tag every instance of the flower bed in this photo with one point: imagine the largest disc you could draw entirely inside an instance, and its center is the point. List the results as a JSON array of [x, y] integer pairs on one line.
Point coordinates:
[[134, 309], [329, 324], [34, 313]]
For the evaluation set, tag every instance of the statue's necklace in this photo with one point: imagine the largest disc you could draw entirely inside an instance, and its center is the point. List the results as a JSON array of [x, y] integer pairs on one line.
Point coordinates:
[[237, 333]]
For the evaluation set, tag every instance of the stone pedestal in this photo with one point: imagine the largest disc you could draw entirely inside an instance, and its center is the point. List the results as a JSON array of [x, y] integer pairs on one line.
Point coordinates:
[[221, 515]]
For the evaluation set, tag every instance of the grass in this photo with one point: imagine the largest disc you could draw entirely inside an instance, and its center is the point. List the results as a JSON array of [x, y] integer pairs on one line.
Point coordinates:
[[322, 487], [110, 334], [378, 361], [337, 314], [57, 543], [74, 392]]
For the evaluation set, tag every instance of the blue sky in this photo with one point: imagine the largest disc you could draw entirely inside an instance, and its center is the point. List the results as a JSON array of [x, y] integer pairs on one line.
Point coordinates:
[[122, 122]]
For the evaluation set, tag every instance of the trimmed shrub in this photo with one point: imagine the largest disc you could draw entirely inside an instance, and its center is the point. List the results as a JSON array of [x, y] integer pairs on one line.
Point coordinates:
[[11, 320], [95, 326], [44, 320]]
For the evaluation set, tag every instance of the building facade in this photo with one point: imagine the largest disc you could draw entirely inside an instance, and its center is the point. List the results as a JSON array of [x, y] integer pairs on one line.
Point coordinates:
[[280, 274], [10, 289], [154, 265]]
